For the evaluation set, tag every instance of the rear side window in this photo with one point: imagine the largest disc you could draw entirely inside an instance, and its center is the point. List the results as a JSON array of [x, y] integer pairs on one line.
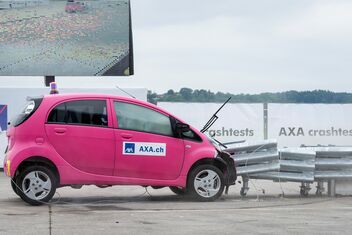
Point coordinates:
[[30, 108], [138, 118], [80, 112]]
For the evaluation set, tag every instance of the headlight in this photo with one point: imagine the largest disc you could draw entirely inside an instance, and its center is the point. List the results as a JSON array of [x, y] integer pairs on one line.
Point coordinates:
[[216, 153]]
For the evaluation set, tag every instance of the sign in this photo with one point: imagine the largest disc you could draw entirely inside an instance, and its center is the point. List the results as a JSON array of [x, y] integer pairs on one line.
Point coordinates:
[[236, 121], [310, 124], [144, 149]]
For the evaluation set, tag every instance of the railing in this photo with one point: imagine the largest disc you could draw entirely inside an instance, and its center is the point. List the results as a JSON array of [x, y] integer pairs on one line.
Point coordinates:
[[305, 165]]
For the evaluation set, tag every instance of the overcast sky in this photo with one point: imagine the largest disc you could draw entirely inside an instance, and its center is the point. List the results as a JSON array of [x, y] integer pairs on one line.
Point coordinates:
[[239, 46], [242, 46]]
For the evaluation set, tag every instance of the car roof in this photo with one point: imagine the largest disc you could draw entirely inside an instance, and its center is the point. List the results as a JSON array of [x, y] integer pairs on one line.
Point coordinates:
[[92, 95], [58, 97]]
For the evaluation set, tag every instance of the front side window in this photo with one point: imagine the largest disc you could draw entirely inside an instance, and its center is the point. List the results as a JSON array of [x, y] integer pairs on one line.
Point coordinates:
[[138, 118], [80, 112], [191, 135]]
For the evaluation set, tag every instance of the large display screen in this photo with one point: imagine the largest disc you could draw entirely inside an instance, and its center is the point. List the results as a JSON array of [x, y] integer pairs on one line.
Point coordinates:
[[65, 38]]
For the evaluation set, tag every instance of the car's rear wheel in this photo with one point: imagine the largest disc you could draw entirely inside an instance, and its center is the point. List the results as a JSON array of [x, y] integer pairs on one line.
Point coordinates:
[[37, 185], [206, 183], [178, 190]]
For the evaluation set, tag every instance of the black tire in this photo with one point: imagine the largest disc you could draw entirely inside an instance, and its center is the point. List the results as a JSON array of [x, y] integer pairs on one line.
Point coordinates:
[[178, 190], [202, 193], [14, 187], [29, 184], [303, 193]]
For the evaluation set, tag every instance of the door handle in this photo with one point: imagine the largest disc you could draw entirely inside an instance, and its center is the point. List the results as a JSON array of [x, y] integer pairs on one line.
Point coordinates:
[[126, 136], [60, 130]]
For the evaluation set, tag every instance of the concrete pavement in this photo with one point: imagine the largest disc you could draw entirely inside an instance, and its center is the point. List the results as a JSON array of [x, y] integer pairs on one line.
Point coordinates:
[[133, 210]]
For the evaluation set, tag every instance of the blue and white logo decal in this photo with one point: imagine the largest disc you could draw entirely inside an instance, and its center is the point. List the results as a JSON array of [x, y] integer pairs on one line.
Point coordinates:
[[144, 149], [129, 148]]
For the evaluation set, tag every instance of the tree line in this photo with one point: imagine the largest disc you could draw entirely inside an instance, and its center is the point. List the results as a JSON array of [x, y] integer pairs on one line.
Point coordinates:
[[203, 96]]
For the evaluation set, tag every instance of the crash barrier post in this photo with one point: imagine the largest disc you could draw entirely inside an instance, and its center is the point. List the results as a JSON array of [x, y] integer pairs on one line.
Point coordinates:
[[333, 164], [253, 159]]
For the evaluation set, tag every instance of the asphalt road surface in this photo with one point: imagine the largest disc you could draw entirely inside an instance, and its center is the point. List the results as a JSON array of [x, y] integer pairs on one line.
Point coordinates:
[[133, 210]]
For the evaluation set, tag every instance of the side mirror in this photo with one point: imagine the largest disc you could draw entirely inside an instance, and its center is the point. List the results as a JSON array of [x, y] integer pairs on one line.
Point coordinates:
[[182, 127]]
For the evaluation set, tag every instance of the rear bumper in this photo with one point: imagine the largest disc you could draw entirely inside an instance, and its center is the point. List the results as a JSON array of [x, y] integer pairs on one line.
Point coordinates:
[[231, 168]]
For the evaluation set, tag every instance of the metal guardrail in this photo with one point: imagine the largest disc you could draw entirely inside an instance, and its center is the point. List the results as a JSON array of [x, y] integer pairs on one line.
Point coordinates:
[[305, 165], [299, 164], [333, 163], [256, 158], [285, 176], [258, 168]]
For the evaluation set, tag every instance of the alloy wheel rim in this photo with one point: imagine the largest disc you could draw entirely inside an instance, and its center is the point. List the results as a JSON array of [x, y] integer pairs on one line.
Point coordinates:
[[207, 183], [36, 185]]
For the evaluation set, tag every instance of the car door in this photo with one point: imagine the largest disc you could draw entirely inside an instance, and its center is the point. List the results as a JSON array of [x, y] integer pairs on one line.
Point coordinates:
[[145, 143], [81, 133]]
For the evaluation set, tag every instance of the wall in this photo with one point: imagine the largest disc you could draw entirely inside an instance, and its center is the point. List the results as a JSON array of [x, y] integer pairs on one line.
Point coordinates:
[[236, 121], [310, 124], [290, 124]]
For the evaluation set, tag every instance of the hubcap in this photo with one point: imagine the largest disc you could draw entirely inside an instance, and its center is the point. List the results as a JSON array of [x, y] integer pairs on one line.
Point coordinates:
[[207, 183], [36, 185]]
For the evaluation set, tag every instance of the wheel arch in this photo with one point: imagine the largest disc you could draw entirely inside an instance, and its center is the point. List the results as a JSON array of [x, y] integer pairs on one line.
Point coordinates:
[[221, 165], [38, 161]]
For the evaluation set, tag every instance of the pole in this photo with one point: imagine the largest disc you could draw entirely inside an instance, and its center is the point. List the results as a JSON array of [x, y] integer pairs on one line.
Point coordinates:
[[48, 80]]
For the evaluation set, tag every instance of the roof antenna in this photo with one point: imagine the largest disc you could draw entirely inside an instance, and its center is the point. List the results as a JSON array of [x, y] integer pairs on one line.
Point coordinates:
[[213, 118], [126, 92]]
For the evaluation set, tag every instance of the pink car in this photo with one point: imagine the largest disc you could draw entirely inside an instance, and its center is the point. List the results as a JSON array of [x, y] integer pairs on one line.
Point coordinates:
[[103, 140]]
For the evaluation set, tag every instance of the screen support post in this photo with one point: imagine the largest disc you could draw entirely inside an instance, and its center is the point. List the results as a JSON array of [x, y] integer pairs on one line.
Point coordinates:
[[48, 80]]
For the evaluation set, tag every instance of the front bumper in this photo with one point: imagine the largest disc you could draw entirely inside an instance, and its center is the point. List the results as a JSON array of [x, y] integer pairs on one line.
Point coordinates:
[[231, 174]]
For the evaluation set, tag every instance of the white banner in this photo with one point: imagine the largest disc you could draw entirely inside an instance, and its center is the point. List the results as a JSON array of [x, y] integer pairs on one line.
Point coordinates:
[[310, 124], [236, 121]]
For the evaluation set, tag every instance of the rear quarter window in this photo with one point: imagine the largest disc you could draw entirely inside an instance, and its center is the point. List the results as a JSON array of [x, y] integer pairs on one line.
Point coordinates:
[[29, 109]]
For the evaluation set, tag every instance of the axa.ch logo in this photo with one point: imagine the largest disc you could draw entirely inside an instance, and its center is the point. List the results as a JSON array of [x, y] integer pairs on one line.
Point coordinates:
[[129, 148]]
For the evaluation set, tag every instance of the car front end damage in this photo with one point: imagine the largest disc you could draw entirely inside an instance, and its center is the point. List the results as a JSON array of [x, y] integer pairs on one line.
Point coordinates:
[[230, 171]]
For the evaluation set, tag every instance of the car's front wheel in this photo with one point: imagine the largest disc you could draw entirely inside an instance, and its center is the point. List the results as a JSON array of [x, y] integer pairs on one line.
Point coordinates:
[[37, 184], [206, 183]]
